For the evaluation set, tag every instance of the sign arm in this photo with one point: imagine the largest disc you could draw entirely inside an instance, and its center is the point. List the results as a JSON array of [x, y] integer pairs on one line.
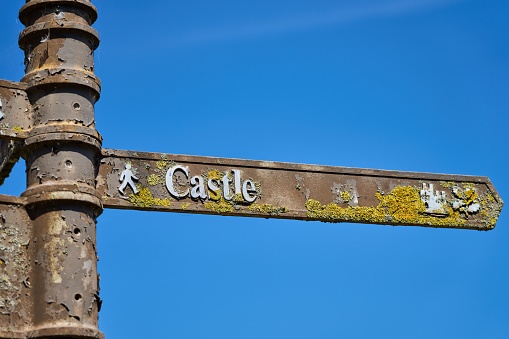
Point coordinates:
[[266, 189]]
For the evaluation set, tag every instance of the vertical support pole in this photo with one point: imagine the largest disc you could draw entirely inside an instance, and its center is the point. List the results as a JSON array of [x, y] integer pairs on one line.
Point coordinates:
[[61, 153]]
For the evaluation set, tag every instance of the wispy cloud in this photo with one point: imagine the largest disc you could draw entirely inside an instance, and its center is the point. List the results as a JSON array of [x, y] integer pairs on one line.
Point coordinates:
[[308, 21]]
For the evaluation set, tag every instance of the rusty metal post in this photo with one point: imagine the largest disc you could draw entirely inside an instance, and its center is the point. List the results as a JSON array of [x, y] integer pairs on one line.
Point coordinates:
[[61, 152]]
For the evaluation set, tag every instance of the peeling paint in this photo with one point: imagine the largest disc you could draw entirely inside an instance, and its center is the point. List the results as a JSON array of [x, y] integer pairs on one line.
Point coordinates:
[[345, 193], [87, 279], [56, 247]]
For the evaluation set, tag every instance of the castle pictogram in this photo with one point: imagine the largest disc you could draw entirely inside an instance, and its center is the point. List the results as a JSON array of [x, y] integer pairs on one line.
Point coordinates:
[[435, 201]]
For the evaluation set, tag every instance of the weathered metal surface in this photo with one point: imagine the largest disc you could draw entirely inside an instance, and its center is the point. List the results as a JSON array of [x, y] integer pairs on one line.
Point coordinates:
[[15, 110], [64, 268], [15, 122], [192, 184], [15, 268], [60, 251]]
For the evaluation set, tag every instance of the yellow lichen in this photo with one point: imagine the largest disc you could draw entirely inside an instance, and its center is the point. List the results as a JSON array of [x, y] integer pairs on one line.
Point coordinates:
[[466, 191], [469, 196], [334, 212], [214, 174], [215, 195], [161, 164], [258, 188], [18, 129], [345, 196], [217, 202], [402, 205], [448, 184], [238, 198], [153, 179], [466, 199], [490, 209], [221, 206], [268, 209], [185, 206], [144, 198], [466, 195]]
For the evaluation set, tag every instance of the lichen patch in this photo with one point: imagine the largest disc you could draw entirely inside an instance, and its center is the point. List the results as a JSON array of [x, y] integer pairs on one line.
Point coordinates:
[[145, 199], [402, 205]]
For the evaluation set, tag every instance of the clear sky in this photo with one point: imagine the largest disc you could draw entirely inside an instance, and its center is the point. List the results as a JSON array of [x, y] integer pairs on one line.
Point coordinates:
[[413, 85]]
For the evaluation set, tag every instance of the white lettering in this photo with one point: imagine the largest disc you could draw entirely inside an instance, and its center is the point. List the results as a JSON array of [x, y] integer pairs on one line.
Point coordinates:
[[198, 190], [247, 191], [226, 187], [169, 181], [236, 178]]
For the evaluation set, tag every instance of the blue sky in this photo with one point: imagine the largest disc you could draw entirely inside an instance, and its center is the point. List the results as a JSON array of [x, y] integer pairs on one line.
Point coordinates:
[[415, 85]]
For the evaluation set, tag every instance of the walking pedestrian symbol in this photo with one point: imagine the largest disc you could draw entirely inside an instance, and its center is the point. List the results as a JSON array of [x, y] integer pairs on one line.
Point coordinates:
[[126, 177]]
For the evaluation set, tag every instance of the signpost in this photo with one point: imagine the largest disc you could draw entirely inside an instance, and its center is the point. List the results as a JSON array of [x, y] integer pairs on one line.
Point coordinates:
[[47, 241], [193, 184]]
